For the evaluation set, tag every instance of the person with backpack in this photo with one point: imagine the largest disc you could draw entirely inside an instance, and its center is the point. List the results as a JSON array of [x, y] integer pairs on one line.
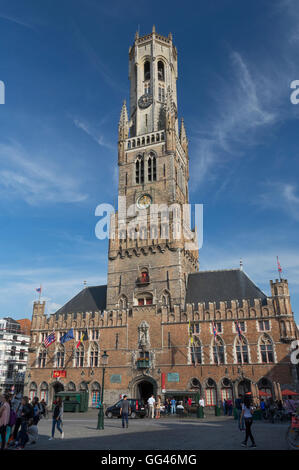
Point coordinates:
[[27, 415], [4, 418], [57, 418], [247, 413]]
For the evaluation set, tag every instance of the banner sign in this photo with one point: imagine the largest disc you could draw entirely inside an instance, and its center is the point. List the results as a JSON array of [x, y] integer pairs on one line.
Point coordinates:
[[59, 373]]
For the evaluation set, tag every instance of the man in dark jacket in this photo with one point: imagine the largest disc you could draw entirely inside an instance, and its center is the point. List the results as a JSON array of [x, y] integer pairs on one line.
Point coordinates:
[[124, 411]]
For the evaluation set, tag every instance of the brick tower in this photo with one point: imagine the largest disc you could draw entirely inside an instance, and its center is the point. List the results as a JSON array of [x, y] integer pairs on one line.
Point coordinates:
[[149, 258]]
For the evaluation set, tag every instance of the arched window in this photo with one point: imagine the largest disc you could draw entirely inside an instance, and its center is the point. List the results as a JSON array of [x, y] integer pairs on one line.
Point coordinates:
[[80, 356], [147, 70], [196, 353], [42, 357], [226, 390], [83, 387], [95, 394], [123, 302], [44, 391], [266, 349], [32, 391], [211, 394], [152, 167], [60, 356], [94, 355], [218, 351], [161, 74], [71, 387], [165, 298], [139, 170], [161, 93], [242, 351], [144, 299]]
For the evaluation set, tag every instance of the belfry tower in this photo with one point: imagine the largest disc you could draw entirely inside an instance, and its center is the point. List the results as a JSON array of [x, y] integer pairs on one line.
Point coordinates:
[[150, 256]]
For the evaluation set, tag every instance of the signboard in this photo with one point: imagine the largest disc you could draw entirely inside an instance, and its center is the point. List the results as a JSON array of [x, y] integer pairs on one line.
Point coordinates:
[[173, 377], [59, 373], [115, 379]]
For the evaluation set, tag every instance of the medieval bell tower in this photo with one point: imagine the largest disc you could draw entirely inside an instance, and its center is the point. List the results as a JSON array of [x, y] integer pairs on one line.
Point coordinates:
[[149, 255]]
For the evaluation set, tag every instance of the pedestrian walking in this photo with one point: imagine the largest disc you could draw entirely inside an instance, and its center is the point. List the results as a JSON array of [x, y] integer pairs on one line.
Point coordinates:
[[247, 412], [18, 410], [57, 419], [158, 407], [151, 402], [26, 419], [44, 412], [125, 409], [37, 409], [173, 406], [201, 404], [4, 418], [238, 405], [229, 405]]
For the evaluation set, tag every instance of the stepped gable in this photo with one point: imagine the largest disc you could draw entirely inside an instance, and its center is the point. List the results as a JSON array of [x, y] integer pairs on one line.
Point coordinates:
[[222, 286], [90, 299]]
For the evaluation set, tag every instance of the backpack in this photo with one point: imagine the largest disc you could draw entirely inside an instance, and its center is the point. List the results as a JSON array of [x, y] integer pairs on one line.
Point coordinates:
[[12, 418]]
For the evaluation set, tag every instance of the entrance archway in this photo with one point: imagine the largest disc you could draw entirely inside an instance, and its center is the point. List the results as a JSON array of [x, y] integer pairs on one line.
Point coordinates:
[[143, 387]]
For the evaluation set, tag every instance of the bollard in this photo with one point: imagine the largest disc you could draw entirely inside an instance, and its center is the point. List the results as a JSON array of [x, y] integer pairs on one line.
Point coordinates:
[[200, 412], [101, 417]]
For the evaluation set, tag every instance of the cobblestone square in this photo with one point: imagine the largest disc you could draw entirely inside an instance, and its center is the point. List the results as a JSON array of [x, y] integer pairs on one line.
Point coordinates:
[[168, 433]]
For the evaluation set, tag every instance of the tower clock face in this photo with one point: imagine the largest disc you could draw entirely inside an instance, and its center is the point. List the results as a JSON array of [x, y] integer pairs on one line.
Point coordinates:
[[144, 201], [145, 101]]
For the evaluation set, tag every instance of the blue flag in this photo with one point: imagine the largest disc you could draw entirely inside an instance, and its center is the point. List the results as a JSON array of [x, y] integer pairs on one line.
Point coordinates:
[[67, 336]]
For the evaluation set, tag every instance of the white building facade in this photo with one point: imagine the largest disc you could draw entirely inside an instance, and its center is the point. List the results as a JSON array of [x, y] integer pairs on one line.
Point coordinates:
[[13, 356]]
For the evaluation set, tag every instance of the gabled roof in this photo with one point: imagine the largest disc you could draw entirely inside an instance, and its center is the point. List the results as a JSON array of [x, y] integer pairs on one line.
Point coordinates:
[[90, 299], [224, 285]]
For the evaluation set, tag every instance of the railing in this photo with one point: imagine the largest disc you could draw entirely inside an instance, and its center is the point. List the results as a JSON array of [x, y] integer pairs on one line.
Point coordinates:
[[143, 363], [146, 139]]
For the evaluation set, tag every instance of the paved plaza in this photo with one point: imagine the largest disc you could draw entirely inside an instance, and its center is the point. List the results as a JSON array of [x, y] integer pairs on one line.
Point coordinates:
[[169, 433]]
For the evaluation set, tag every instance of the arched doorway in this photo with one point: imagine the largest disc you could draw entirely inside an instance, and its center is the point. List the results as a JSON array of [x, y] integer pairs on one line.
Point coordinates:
[[143, 387]]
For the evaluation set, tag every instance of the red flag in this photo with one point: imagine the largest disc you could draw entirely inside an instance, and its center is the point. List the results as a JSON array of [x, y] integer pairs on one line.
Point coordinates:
[[279, 267]]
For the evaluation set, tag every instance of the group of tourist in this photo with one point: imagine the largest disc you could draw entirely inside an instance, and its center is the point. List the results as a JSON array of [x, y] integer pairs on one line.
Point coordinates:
[[19, 420]]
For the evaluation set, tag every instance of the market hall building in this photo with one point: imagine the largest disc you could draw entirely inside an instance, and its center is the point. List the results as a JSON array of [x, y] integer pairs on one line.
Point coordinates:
[[168, 328]]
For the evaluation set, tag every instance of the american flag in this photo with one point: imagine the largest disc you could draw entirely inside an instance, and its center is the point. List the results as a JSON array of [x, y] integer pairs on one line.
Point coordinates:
[[50, 339], [238, 328]]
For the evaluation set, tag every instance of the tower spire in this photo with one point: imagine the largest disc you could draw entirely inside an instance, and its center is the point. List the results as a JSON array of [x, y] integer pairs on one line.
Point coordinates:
[[123, 131], [183, 136]]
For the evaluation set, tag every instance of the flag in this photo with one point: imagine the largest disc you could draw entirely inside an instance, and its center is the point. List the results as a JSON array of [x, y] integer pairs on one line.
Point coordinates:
[[39, 290], [190, 333], [50, 339], [214, 330], [67, 336], [279, 267], [84, 337], [238, 328]]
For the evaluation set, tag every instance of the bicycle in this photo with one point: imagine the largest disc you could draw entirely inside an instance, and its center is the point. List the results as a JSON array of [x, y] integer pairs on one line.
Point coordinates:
[[292, 435]]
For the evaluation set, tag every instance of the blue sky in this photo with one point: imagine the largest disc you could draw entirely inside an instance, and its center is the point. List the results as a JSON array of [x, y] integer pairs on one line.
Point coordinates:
[[65, 68]]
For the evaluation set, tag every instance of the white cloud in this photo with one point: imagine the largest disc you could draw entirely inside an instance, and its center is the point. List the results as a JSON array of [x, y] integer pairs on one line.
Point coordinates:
[[95, 135], [282, 196], [34, 179]]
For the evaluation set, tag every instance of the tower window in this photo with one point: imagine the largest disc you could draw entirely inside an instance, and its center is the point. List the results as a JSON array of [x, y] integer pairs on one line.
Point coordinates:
[[147, 70], [139, 170], [152, 168], [161, 75], [147, 88]]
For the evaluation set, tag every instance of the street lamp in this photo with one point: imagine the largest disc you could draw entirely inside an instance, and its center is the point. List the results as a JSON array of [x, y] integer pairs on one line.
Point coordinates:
[[101, 408]]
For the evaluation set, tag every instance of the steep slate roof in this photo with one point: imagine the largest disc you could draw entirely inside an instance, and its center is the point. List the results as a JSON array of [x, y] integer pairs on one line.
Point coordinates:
[[225, 285], [90, 299]]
